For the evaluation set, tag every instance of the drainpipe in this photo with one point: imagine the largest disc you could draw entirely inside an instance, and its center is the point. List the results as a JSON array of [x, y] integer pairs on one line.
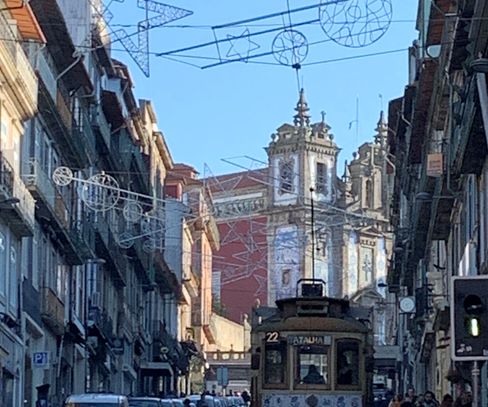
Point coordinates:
[[79, 56]]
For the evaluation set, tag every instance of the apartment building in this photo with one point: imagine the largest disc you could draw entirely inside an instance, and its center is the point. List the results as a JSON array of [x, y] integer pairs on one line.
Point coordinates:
[[18, 104], [439, 142], [88, 300]]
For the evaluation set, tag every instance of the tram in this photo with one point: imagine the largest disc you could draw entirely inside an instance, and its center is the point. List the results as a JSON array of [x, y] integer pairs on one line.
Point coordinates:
[[311, 351]]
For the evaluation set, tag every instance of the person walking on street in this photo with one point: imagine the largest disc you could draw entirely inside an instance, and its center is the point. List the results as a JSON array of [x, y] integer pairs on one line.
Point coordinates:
[[465, 399], [429, 400], [396, 401], [447, 401]]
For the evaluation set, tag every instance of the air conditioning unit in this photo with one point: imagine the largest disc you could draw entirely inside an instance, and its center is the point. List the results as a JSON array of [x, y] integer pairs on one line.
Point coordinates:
[[96, 300]]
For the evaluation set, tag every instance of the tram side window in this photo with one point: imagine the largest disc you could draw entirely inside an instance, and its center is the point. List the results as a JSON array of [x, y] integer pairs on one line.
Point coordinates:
[[313, 364], [275, 363], [348, 363]]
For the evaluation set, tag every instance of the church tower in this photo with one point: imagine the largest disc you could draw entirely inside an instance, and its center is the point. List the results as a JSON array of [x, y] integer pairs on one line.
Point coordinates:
[[369, 177], [302, 167]]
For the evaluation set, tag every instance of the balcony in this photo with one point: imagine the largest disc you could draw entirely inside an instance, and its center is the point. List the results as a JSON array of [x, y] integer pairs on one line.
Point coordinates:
[[18, 204], [142, 261], [31, 301], [52, 209], [102, 129], [127, 323], [468, 140], [101, 323], [16, 72], [108, 247], [52, 311], [166, 347], [58, 118], [141, 165], [83, 134]]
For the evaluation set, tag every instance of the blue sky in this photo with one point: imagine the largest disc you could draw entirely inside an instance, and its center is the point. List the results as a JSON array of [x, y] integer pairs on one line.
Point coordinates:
[[229, 112]]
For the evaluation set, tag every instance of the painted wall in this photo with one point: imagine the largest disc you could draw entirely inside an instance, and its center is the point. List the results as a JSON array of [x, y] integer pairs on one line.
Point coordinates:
[[230, 335], [241, 265], [285, 271]]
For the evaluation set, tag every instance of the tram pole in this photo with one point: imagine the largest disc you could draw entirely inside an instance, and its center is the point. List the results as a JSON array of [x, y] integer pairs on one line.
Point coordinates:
[[313, 232], [475, 373]]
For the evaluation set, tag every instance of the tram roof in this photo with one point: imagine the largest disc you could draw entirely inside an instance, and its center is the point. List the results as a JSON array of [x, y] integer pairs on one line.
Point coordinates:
[[313, 323]]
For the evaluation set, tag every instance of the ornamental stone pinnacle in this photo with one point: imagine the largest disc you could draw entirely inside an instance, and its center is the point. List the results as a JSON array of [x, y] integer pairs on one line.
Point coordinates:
[[381, 129], [302, 118]]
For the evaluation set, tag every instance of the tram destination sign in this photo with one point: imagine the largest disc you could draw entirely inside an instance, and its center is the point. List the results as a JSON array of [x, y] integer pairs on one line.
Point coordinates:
[[297, 340]]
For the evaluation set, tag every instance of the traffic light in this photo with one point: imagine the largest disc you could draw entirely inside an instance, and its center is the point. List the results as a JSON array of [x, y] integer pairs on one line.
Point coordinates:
[[469, 318]]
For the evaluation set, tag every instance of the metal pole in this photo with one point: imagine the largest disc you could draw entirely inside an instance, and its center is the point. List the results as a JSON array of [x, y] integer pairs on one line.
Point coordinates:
[[476, 375], [313, 234]]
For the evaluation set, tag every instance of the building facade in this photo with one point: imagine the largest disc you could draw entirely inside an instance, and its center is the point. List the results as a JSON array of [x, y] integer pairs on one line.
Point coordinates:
[[297, 219], [439, 205], [18, 102], [88, 299]]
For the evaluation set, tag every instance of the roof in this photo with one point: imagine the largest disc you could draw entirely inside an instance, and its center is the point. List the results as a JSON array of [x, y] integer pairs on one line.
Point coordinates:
[[26, 21], [238, 180]]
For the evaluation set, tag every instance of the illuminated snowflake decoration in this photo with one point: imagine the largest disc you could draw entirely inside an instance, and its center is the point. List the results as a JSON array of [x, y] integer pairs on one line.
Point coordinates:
[[356, 23], [290, 47]]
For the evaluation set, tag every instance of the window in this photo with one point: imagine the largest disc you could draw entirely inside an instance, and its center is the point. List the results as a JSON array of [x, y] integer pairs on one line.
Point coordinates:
[[275, 363], [347, 370], [321, 182], [285, 277], [312, 364], [3, 265], [369, 194], [367, 264], [286, 176], [13, 277]]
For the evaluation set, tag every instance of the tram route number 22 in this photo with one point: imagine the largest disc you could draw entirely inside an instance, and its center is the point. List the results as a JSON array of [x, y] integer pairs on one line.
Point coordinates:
[[272, 337]]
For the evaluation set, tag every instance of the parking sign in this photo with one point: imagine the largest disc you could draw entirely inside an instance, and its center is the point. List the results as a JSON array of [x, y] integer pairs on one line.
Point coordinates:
[[40, 359]]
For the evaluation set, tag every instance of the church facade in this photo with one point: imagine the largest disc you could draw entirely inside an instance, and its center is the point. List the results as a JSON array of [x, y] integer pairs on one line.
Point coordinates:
[[298, 219]]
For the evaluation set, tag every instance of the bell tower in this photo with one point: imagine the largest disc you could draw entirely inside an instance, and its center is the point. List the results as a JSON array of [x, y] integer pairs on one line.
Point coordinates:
[[302, 160]]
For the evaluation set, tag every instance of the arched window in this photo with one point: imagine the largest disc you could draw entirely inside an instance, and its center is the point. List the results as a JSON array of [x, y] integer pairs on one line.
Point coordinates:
[[369, 194]]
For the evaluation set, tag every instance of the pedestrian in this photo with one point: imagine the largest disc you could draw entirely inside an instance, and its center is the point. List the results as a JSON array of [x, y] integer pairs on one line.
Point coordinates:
[[202, 402], [447, 401], [187, 402], [429, 400], [411, 396], [407, 401], [465, 399], [246, 397], [396, 401]]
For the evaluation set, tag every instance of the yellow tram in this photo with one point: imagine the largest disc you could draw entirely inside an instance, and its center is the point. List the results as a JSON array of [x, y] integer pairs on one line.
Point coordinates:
[[312, 351]]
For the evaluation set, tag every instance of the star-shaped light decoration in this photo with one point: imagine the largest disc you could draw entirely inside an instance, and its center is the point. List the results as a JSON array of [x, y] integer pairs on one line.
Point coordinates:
[[140, 52], [241, 46], [262, 285]]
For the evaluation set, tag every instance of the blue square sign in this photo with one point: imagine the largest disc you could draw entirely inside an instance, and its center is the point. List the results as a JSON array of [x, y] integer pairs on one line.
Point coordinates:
[[40, 359]]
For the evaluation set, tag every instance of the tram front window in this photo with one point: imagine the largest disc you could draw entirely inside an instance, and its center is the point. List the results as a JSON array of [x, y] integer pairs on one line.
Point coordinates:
[[275, 363], [347, 363], [312, 364]]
